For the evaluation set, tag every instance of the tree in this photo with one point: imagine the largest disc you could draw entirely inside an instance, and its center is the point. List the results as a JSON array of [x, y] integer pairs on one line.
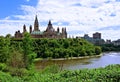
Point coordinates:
[[4, 49], [98, 50], [8, 36], [16, 59], [66, 43], [28, 54]]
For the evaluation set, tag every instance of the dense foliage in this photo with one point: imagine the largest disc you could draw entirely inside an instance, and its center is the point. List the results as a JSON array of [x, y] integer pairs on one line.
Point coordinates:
[[110, 73], [16, 58], [110, 47], [62, 48], [4, 48]]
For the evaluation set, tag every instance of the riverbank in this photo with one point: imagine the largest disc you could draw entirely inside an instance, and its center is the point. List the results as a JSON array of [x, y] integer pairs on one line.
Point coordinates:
[[73, 58], [69, 58], [76, 63]]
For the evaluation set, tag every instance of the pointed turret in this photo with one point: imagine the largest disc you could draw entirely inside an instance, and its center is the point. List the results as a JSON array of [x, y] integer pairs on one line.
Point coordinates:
[[36, 24], [50, 27], [58, 30], [24, 28], [30, 28], [49, 22], [64, 32]]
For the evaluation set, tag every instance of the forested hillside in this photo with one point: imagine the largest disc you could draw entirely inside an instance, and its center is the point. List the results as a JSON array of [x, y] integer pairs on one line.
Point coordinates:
[[61, 48]]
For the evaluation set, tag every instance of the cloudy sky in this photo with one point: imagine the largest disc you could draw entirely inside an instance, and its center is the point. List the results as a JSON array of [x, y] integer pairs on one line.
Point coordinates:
[[78, 16]]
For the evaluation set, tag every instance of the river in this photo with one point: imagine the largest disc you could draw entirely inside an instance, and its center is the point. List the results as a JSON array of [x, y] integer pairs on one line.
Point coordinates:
[[75, 64]]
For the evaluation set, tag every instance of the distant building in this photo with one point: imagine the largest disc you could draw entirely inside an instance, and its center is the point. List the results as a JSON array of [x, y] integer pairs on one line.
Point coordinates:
[[97, 35], [88, 38], [96, 39], [48, 33], [116, 43], [18, 34], [108, 42]]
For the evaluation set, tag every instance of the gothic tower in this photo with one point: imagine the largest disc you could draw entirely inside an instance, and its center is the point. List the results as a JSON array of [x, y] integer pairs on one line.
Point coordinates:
[[50, 27], [58, 30], [24, 28], [30, 29], [36, 24], [64, 33]]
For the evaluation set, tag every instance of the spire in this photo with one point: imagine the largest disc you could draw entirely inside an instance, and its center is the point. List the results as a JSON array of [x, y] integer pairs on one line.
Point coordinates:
[[36, 24], [49, 22], [58, 30], [24, 28], [65, 31], [50, 27], [30, 28]]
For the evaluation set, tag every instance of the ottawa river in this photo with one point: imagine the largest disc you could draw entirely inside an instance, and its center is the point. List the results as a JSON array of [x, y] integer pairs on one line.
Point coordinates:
[[75, 64]]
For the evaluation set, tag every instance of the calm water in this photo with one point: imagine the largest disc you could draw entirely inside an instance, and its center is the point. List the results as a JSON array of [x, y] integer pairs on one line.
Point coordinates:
[[95, 62]]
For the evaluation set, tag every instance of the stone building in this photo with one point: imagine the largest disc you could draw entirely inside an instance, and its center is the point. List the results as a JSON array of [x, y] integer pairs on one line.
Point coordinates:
[[116, 43], [97, 35], [96, 39], [48, 33]]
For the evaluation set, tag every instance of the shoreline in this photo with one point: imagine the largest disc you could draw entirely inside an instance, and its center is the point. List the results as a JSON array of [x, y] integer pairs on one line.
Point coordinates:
[[73, 58], [69, 58]]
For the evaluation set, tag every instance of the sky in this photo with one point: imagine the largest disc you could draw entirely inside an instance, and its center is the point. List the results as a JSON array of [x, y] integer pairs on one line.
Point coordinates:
[[78, 16]]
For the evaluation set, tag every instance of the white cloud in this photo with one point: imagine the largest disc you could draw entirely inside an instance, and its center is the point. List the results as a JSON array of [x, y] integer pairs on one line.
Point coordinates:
[[83, 15]]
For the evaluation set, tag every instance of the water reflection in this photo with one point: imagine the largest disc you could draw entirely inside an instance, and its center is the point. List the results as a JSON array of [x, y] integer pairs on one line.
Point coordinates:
[[95, 62]]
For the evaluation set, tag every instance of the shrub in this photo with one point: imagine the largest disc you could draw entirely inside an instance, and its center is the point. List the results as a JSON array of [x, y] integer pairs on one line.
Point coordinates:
[[18, 71], [52, 69], [3, 66]]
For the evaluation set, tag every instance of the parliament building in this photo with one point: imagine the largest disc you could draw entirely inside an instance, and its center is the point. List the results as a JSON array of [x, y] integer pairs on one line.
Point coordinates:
[[36, 33]]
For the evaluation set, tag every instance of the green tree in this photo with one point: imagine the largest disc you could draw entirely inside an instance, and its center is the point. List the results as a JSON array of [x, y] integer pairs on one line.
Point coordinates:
[[28, 54], [66, 43], [98, 50], [8, 36], [4, 49], [16, 59], [83, 52]]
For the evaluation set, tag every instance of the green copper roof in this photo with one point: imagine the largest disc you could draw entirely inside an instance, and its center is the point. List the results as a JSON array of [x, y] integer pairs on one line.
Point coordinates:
[[58, 33], [37, 32]]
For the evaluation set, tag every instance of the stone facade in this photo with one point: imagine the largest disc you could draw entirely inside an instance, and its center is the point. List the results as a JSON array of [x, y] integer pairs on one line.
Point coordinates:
[[96, 39], [48, 33], [97, 35], [116, 43]]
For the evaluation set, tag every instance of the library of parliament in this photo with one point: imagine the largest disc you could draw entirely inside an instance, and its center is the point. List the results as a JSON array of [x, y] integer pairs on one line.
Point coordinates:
[[36, 33]]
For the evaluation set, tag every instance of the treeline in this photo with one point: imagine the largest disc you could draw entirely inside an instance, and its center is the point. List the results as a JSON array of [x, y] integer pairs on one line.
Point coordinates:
[[110, 47], [61, 48]]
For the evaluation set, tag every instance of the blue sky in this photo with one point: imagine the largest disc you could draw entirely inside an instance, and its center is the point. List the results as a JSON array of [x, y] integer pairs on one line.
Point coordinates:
[[78, 16], [13, 7]]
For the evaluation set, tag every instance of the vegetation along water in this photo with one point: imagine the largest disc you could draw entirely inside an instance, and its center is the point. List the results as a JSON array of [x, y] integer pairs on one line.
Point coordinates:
[[17, 61]]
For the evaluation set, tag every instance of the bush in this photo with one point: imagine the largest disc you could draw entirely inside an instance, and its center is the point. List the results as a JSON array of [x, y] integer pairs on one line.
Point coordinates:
[[3, 66], [52, 69], [5, 77], [20, 72], [98, 50], [16, 60]]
